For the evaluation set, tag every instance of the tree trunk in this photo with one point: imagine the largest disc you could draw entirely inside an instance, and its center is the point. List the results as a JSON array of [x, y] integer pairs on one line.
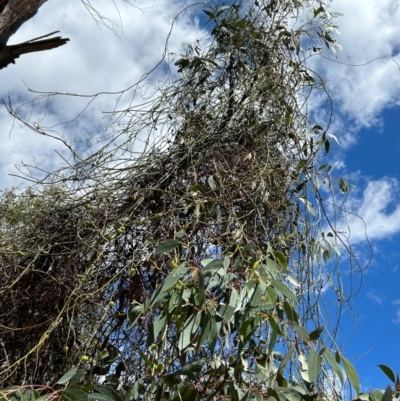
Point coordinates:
[[13, 13]]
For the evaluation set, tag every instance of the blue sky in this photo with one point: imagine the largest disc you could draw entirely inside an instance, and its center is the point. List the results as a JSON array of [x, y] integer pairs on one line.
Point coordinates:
[[366, 121]]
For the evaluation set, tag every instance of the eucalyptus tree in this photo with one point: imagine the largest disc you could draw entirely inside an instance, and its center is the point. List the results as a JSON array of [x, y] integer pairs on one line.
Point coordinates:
[[184, 257]]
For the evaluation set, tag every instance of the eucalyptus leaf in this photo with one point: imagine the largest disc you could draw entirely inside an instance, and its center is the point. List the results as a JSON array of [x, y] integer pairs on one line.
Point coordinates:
[[74, 394], [388, 372], [334, 364], [67, 376], [351, 374], [166, 246]]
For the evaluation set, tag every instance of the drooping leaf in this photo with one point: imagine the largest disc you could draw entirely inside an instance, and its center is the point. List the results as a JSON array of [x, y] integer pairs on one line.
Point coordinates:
[[334, 364], [302, 332], [274, 325], [201, 293], [314, 364], [262, 374], [172, 278], [190, 329], [282, 260], [212, 334], [225, 311], [309, 205], [352, 374], [304, 368], [157, 325], [284, 290], [286, 359]]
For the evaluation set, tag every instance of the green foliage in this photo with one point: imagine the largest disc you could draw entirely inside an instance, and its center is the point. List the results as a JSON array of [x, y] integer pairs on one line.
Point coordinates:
[[192, 272]]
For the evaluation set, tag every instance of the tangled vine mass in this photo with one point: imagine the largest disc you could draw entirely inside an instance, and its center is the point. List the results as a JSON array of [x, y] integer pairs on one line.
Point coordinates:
[[182, 259]]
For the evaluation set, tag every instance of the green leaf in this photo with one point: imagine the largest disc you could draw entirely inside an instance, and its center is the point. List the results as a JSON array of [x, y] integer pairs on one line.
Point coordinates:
[[286, 359], [273, 393], [274, 325], [155, 328], [388, 372], [375, 395], [302, 332], [189, 331], [74, 394], [201, 293], [334, 364], [388, 394], [314, 335], [292, 396], [344, 186], [180, 234], [309, 205], [205, 329], [66, 376], [192, 370], [352, 374], [285, 291], [76, 379], [98, 397], [225, 311], [212, 334], [327, 145], [109, 392], [166, 246], [262, 374], [134, 314], [282, 260], [213, 265], [172, 278], [314, 364], [318, 11], [290, 312], [146, 360]]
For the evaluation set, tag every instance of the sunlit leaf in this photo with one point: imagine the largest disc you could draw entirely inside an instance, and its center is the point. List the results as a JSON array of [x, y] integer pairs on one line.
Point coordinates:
[[314, 364], [352, 374], [302, 332], [284, 290], [334, 364]]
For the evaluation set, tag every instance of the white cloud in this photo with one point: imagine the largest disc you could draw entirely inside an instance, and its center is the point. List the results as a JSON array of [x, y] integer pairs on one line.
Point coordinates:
[[396, 320], [376, 214], [370, 31], [94, 60], [371, 294]]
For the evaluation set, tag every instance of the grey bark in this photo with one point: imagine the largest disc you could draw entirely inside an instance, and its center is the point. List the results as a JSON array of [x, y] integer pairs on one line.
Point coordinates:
[[13, 13]]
